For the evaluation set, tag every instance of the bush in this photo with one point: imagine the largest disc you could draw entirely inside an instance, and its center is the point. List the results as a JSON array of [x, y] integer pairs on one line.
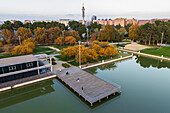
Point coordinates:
[[66, 65]]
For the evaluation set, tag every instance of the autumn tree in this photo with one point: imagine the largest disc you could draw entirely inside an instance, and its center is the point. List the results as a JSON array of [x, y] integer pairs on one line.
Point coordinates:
[[40, 35], [134, 32], [93, 37], [96, 47], [53, 33], [23, 33], [69, 52], [70, 40], [59, 41], [74, 34], [8, 36], [92, 54], [106, 33], [111, 50], [22, 50], [8, 48], [102, 52], [122, 32], [30, 42]]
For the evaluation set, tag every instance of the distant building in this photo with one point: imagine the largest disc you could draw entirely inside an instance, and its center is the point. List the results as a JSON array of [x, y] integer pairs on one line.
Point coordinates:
[[15, 68], [106, 22], [64, 21], [29, 21], [46, 20], [142, 22], [94, 18], [12, 21]]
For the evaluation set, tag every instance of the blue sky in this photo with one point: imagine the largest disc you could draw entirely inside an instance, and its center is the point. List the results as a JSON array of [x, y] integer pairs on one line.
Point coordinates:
[[55, 9]]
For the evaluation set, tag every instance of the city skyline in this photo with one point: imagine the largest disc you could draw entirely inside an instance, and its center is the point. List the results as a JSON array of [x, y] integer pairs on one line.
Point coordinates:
[[57, 9]]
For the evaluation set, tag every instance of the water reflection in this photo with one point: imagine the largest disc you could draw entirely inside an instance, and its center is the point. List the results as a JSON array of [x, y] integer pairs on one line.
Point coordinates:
[[147, 62], [22, 94], [110, 66]]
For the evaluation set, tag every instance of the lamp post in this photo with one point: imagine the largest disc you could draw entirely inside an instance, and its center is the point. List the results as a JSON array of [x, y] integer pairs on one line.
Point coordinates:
[[19, 40], [79, 54], [162, 38], [63, 36]]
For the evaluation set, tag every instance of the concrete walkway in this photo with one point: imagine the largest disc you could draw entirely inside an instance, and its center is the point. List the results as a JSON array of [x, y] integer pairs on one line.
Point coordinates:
[[144, 54], [136, 47], [54, 48]]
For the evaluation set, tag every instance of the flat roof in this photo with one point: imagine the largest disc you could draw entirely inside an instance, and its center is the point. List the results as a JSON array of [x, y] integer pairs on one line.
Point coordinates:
[[17, 60]]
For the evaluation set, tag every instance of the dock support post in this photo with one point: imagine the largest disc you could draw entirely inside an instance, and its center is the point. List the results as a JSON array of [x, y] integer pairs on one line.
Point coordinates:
[[99, 100], [107, 97], [91, 104]]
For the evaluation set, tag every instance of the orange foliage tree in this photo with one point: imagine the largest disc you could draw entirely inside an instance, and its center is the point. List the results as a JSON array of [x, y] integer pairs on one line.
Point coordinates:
[[53, 33], [40, 35], [8, 36], [70, 40], [24, 33], [22, 50], [59, 41]]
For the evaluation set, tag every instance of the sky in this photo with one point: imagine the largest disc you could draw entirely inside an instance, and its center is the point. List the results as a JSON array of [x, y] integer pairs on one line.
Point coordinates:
[[71, 9]]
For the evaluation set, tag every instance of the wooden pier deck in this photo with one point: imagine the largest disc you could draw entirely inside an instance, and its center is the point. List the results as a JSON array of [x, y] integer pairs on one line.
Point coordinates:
[[94, 88]]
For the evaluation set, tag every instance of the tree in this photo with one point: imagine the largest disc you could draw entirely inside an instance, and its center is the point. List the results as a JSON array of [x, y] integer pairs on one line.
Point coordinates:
[[24, 33], [84, 54], [81, 28], [18, 24], [8, 48], [96, 48], [59, 41], [53, 33], [30, 42], [40, 35], [74, 34], [7, 25], [70, 40], [93, 37], [22, 50], [107, 33], [8, 36], [1, 44], [122, 32], [111, 50], [133, 32], [92, 54], [94, 27], [102, 52]]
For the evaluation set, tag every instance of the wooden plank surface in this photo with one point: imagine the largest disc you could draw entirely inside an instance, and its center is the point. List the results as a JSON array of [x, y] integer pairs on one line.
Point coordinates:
[[94, 88]]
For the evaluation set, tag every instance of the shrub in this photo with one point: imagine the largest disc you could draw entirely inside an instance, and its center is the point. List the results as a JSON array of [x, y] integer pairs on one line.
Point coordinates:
[[65, 65]]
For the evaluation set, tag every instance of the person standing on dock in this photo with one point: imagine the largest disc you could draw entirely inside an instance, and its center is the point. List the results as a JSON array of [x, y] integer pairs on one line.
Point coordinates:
[[82, 89]]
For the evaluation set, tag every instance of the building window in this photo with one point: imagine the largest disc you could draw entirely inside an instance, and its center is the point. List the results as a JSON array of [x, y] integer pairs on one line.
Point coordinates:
[[29, 65], [12, 68]]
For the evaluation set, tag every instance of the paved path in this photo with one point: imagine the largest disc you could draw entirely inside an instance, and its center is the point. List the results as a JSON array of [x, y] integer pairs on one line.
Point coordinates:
[[136, 47], [54, 48]]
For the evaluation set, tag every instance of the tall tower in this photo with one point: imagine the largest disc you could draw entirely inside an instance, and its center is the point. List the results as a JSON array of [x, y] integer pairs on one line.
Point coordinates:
[[83, 13]]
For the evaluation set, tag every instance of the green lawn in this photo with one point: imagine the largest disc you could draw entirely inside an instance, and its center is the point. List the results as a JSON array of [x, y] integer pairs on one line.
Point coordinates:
[[40, 50], [165, 51]]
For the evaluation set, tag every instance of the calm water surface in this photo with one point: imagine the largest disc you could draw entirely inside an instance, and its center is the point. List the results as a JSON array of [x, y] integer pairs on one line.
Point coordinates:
[[145, 84]]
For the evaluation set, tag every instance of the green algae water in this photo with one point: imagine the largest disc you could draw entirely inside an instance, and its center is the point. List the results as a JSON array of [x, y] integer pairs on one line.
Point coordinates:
[[145, 84]]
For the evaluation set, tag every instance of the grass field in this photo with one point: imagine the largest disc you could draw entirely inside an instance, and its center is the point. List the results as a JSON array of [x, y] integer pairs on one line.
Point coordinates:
[[165, 51]]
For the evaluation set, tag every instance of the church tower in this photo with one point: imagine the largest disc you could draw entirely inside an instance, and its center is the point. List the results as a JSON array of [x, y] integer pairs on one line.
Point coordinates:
[[83, 14]]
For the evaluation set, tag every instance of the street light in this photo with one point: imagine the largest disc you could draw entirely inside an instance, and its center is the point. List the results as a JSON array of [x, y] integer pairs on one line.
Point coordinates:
[[19, 40], [162, 38], [79, 54]]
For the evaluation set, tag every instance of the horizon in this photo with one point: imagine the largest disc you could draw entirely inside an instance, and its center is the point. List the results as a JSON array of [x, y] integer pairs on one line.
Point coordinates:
[[58, 9]]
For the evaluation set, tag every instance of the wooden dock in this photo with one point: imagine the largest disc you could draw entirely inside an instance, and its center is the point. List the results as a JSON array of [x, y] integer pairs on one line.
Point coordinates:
[[94, 88]]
